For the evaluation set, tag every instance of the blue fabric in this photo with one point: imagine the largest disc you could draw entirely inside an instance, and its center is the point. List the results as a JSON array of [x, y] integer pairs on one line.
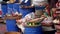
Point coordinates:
[[39, 8], [9, 8], [11, 25], [26, 11], [27, 4], [4, 8], [16, 7], [33, 30], [13, 7]]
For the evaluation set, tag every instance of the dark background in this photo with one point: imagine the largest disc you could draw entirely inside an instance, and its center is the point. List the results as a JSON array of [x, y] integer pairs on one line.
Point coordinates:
[[5, 0], [52, 3]]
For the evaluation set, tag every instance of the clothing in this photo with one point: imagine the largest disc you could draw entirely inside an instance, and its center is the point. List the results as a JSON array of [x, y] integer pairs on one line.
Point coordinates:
[[58, 5], [25, 11], [50, 29], [47, 28], [25, 2], [47, 20], [25, 20], [39, 5], [46, 14], [38, 13], [38, 2]]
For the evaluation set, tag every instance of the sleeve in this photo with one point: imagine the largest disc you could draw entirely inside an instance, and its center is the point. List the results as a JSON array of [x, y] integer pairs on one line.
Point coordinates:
[[28, 17]]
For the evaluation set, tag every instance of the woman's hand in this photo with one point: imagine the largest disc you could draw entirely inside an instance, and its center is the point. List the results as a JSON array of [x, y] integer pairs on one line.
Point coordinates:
[[18, 21], [56, 21]]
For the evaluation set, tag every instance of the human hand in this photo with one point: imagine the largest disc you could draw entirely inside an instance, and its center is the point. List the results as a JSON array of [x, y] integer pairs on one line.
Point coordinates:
[[18, 21], [43, 16]]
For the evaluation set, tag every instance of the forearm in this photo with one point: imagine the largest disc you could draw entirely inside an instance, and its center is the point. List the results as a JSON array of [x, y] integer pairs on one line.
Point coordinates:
[[30, 6], [36, 20]]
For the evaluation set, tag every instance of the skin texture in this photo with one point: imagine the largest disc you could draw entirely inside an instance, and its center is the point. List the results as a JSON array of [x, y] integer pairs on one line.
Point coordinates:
[[36, 20]]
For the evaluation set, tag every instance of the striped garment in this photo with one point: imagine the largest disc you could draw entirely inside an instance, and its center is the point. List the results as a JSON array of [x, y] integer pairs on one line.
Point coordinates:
[[58, 4]]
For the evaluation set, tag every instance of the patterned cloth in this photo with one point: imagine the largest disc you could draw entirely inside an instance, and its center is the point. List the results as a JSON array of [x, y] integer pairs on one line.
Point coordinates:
[[58, 4], [47, 20]]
